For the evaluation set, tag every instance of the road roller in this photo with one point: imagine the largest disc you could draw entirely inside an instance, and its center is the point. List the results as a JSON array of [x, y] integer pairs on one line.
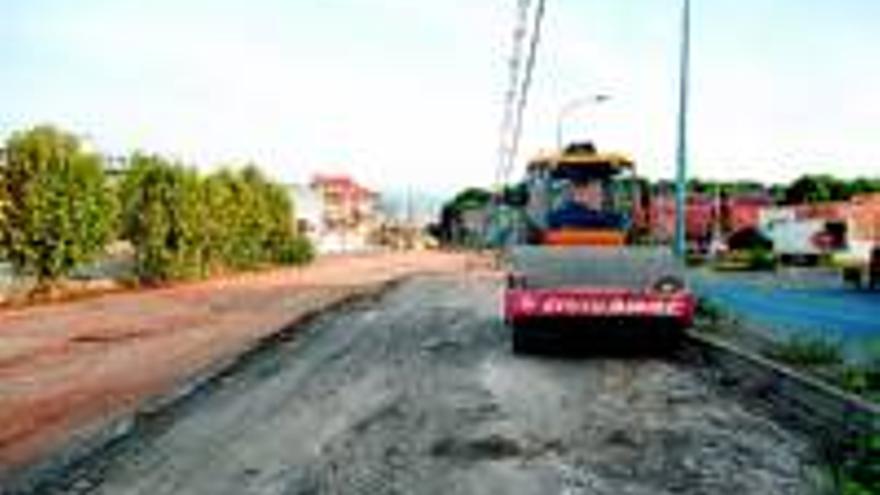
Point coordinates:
[[586, 274]]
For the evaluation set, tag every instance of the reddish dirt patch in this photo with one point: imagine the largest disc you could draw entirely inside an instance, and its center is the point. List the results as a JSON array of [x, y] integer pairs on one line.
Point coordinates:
[[70, 367]]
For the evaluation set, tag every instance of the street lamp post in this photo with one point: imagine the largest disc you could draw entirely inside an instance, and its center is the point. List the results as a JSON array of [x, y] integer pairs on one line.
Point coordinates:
[[570, 107], [681, 165]]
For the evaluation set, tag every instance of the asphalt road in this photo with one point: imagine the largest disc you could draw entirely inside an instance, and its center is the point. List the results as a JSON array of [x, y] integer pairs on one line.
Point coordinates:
[[417, 393], [797, 301]]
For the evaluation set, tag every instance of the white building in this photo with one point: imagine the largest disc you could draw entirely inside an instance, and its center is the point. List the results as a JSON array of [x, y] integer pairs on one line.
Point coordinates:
[[308, 209], [336, 213]]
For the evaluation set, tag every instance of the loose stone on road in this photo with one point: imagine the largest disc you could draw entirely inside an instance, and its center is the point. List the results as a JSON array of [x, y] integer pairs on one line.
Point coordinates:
[[417, 392]]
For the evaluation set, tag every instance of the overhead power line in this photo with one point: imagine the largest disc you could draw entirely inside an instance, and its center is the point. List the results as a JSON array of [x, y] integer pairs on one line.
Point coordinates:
[[510, 96], [520, 81], [526, 85]]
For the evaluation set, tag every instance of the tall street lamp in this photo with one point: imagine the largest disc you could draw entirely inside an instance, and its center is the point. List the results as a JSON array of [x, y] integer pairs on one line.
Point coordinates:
[[681, 154], [572, 106]]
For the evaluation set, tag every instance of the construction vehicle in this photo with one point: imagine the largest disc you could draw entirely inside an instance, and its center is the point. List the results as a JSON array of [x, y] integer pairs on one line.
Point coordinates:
[[580, 278]]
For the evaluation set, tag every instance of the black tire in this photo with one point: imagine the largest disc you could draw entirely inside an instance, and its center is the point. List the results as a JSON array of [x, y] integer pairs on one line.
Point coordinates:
[[521, 344], [672, 339]]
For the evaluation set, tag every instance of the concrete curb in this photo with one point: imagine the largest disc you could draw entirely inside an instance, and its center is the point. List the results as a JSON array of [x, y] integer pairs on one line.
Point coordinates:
[[834, 419], [91, 440]]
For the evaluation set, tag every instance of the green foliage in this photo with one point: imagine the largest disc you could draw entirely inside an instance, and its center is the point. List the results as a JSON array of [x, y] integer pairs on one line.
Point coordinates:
[[296, 251], [853, 487], [757, 259], [864, 185], [805, 189], [58, 211], [813, 189], [854, 379], [777, 193], [516, 195], [57, 208], [163, 216], [761, 259], [184, 226], [805, 351], [710, 317], [251, 221], [472, 197], [450, 228], [221, 195], [862, 379], [820, 188], [859, 473], [709, 310], [712, 187]]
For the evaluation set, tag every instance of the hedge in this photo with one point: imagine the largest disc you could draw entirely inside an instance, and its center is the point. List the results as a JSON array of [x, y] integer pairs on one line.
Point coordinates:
[[163, 217], [57, 209], [186, 226]]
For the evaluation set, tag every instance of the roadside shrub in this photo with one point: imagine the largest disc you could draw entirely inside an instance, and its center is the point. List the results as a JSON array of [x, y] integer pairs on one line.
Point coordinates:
[[57, 208], [184, 226], [695, 259], [861, 379], [220, 201], [860, 474], [709, 310], [163, 217], [849, 486], [761, 259], [251, 220], [710, 316], [296, 251], [805, 351], [279, 241], [756, 259]]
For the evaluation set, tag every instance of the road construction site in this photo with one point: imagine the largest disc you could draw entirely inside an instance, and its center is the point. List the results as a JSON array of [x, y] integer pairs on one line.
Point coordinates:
[[74, 375], [415, 390]]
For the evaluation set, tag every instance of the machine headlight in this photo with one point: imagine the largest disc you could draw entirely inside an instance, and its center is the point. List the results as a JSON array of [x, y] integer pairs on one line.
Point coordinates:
[[668, 285]]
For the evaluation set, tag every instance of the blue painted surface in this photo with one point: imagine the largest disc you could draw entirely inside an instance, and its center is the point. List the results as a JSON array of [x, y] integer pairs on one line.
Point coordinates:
[[814, 304]]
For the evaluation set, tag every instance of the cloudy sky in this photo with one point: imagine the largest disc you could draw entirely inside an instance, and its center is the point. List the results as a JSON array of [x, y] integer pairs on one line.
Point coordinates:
[[406, 92]]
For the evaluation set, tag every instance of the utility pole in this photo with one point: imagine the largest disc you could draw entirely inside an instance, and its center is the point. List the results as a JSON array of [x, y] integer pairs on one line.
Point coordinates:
[[681, 172]]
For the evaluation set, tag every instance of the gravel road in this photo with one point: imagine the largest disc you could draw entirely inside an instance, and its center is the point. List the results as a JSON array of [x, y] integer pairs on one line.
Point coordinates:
[[417, 392]]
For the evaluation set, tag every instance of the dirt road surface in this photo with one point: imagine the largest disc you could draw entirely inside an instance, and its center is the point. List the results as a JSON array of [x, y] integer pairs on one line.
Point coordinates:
[[416, 392], [75, 371]]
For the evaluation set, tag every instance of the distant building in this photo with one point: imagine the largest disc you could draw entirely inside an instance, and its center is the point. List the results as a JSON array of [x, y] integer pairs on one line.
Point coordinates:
[[700, 215], [743, 211], [336, 212], [707, 215], [852, 226], [863, 225], [308, 208], [347, 204]]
